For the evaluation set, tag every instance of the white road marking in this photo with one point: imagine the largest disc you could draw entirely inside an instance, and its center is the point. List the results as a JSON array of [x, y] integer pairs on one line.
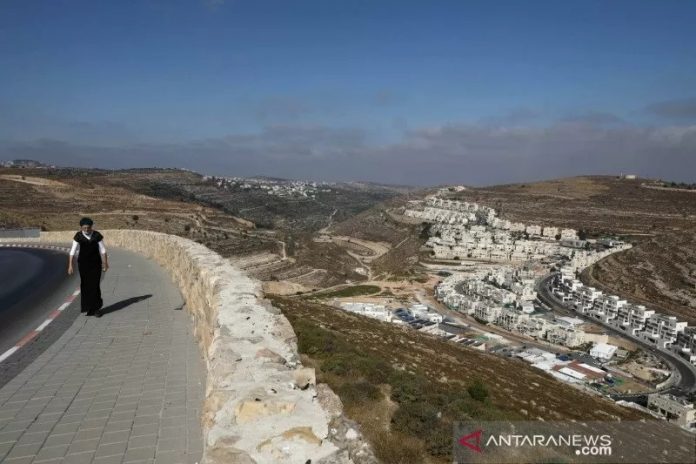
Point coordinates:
[[8, 353]]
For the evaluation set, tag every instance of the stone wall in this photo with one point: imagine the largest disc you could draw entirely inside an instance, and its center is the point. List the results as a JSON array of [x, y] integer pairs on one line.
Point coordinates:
[[261, 405]]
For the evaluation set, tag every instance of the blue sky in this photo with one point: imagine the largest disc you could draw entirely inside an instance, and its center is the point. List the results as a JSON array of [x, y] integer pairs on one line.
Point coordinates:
[[399, 91]]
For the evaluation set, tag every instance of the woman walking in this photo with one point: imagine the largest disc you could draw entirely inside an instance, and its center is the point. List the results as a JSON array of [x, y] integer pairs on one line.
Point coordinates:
[[88, 245]]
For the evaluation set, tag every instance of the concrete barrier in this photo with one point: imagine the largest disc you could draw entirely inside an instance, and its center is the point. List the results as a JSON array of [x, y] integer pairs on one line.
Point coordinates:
[[262, 405]]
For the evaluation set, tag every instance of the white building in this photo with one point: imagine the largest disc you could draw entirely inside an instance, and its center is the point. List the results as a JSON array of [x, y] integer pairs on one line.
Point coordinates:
[[374, 311], [421, 311], [569, 234], [674, 409], [685, 344], [662, 330], [533, 230], [550, 232], [488, 313], [603, 351], [586, 298]]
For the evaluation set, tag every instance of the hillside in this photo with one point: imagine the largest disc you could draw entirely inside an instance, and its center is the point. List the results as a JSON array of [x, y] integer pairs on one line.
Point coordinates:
[[270, 234], [660, 271], [406, 388], [55, 200], [401, 238]]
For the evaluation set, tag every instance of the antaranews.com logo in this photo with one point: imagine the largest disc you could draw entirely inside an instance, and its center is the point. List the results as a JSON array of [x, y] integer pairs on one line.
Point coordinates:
[[587, 445], [601, 442]]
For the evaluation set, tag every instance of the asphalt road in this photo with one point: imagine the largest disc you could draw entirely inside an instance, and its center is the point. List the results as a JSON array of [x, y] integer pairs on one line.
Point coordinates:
[[687, 372], [33, 282]]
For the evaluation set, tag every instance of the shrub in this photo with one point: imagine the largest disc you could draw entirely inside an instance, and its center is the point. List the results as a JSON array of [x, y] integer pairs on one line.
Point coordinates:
[[407, 387], [397, 448], [478, 391], [352, 393], [338, 365], [416, 418]]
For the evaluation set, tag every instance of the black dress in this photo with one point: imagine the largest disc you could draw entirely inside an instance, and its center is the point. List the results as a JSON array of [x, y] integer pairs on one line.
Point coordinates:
[[90, 266]]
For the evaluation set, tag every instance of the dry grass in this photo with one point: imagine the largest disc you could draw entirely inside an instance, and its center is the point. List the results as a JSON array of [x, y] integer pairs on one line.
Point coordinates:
[[406, 387], [57, 200]]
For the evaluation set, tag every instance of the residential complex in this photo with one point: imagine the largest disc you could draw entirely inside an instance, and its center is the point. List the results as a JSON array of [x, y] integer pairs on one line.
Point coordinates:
[[279, 187], [467, 231], [663, 331], [484, 297]]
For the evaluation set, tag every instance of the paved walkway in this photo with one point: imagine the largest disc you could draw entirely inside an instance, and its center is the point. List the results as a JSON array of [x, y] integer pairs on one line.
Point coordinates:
[[127, 387]]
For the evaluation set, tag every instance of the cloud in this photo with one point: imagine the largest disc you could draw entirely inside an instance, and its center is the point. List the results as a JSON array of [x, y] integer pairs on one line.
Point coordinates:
[[684, 108], [19, 121], [594, 117], [484, 155], [473, 154], [281, 109], [387, 98], [516, 116]]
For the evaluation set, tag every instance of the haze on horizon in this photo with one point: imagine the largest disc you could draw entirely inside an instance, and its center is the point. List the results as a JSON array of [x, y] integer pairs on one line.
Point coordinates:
[[400, 92]]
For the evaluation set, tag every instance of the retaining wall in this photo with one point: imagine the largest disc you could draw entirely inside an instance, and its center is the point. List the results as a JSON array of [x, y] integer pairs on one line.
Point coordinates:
[[261, 405]]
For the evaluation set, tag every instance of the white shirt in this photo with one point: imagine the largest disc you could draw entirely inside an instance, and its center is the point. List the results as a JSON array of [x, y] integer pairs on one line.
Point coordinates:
[[75, 250]]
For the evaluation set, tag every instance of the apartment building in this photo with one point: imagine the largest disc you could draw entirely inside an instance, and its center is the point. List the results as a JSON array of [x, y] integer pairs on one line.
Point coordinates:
[[676, 410], [662, 329], [685, 345]]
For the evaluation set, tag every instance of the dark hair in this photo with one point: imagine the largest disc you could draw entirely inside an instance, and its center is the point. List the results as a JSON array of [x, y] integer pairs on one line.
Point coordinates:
[[85, 221]]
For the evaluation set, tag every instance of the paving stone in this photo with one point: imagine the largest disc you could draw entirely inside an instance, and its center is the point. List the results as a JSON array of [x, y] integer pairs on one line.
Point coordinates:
[[22, 460], [111, 449], [83, 446], [10, 437], [87, 434], [115, 459], [115, 437], [59, 439], [105, 390], [31, 438], [51, 453], [139, 454], [143, 441], [171, 457], [81, 458], [19, 451], [6, 447], [146, 429], [171, 444]]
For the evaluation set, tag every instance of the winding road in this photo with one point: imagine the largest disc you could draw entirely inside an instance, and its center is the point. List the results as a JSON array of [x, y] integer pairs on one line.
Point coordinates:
[[685, 370]]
